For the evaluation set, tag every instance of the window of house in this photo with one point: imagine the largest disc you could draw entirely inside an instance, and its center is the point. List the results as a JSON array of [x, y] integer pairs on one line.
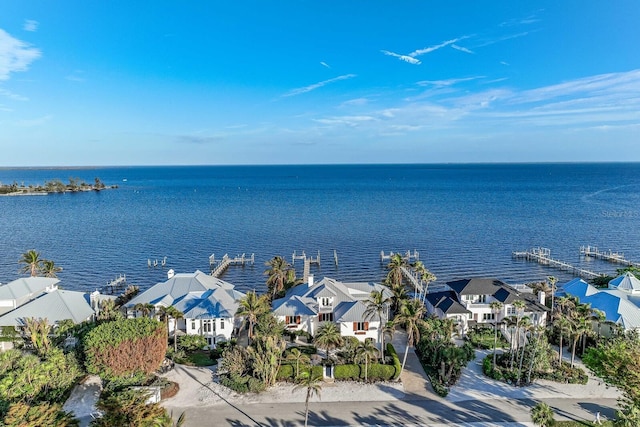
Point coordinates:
[[221, 323], [488, 316], [511, 311], [325, 301], [292, 320], [209, 341], [325, 317], [482, 299], [193, 324], [206, 326], [470, 315], [360, 326]]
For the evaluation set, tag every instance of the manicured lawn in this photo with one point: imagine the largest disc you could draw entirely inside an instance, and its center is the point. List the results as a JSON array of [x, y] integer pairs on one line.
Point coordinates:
[[199, 358]]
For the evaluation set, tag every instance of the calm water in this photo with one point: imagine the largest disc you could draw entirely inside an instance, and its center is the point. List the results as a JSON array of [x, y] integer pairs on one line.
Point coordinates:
[[465, 220]]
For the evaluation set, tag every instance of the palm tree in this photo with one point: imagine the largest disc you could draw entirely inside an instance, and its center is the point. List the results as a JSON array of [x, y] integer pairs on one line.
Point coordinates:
[[377, 305], [542, 415], [278, 273], [395, 266], [425, 276], [313, 386], [175, 314], [38, 331], [519, 306], [108, 311], [49, 268], [496, 308], [251, 307], [32, 262], [563, 317], [511, 322], [328, 337], [564, 328], [525, 325], [366, 351], [298, 357], [538, 331], [552, 284], [411, 317], [144, 308]]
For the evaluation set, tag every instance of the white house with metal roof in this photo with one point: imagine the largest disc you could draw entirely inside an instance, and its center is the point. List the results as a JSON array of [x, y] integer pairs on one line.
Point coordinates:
[[306, 306], [207, 303], [20, 291]]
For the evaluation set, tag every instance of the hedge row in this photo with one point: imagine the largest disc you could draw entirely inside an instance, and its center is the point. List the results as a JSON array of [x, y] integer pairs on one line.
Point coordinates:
[[391, 351], [287, 372], [356, 372]]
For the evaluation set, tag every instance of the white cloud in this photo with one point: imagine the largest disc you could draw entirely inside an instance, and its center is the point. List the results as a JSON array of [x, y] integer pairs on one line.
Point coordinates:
[[355, 102], [462, 49], [15, 55], [324, 64], [436, 47], [448, 82], [30, 25], [351, 121], [404, 58], [318, 85], [504, 38]]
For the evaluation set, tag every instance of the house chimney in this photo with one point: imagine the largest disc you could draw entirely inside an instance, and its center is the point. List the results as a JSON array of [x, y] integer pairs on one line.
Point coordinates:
[[310, 280], [542, 296]]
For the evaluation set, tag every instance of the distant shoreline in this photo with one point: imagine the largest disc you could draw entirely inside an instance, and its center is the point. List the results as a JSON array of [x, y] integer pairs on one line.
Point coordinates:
[[53, 187]]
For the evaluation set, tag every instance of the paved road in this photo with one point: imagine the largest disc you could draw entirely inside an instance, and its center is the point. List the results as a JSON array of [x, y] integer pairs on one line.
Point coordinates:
[[398, 413]]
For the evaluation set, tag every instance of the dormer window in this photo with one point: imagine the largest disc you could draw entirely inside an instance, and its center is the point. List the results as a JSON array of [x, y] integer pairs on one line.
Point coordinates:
[[325, 302]]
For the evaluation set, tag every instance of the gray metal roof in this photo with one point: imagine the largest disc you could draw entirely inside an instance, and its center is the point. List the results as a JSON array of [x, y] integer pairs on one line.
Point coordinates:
[[295, 306], [54, 306], [626, 282], [197, 295], [26, 288]]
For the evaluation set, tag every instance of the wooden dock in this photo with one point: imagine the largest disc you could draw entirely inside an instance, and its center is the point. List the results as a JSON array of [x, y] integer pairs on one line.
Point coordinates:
[[543, 257], [407, 256], [307, 262], [115, 285], [219, 267], [610, 256]]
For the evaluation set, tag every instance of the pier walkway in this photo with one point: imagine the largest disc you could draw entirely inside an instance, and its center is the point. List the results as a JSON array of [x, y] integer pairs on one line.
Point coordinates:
[[610, 256], [219, 267], [543, 257]]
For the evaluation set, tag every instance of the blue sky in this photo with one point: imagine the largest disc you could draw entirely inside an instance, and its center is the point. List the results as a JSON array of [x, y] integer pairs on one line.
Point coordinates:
[[271, 82]]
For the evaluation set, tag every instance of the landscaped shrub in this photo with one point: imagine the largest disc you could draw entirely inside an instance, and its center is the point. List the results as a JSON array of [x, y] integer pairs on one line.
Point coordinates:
[[191, 342], [347, 372], [378, 371], [287, 371], [125, 348], [391, 351]]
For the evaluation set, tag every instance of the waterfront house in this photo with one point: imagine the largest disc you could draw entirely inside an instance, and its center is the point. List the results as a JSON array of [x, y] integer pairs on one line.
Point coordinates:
[[20, 291], [620, 303], [468, 301], [306, 306], [55, 305], [207, 303]]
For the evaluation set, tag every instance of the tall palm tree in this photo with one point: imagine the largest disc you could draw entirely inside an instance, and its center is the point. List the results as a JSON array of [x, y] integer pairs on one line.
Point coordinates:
[[32, 262], [538, 332], [298, 357], [108, 311], [278, 272], [411, 316], [496, 308], [251, 307], [511, 322], [525, 326], [377, 304], [366, 351], [519, 306], [175, 314], [328, 337], [38, 331], [563, 325], [49, 268], [312, 384], [542, 415], [396, 263], [552, 285], [563, 314]]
